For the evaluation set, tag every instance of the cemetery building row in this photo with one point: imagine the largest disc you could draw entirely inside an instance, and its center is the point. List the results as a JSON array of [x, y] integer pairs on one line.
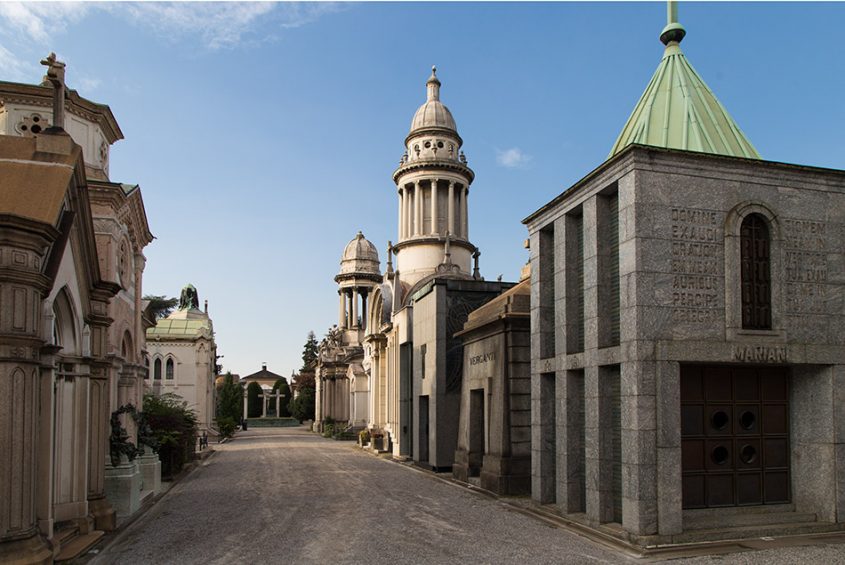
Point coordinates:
[[669, 369]]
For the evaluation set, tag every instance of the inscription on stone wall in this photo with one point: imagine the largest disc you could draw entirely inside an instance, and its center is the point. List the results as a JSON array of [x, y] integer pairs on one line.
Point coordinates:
[[805, 266], [483, 358], [696, 265], [759, 353]]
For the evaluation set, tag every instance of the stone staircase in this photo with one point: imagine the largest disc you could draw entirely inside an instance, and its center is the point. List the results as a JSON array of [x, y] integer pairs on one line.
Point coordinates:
[[70, 541]]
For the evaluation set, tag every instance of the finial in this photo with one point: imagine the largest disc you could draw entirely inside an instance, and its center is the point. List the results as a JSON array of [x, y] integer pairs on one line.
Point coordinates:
[[433, 85], [673, 31], [359, 235]]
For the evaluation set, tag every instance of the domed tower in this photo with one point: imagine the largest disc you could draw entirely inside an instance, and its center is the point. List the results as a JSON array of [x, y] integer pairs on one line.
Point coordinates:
[[360, 272], [432, 182]]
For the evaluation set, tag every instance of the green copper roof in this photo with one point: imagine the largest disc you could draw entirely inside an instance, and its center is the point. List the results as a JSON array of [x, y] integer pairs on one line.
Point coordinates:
[[678, 111]]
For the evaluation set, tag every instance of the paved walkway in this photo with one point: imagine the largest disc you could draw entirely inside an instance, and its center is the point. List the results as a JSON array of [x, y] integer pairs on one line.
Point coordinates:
[[289, 496]]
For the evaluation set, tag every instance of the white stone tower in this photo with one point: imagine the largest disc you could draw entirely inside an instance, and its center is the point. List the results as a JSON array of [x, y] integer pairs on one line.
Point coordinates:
[[433, 185], [360, 272]]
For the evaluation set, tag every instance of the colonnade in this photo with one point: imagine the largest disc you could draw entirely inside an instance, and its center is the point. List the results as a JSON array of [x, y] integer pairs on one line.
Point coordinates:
[[412, 212], [348, 307]]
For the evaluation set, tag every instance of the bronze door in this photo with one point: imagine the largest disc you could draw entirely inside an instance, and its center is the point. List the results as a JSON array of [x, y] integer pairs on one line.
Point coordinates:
[[734, 436]]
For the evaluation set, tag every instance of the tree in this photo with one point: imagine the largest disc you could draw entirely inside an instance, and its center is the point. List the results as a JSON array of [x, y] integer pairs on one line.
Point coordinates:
[[253, 403], [302, 407], [282, 386], [160, 306], [230, 399], [310, 351]]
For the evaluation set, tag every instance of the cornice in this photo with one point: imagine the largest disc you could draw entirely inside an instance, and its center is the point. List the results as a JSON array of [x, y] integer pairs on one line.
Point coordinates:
[[436, 240], [433, 165]]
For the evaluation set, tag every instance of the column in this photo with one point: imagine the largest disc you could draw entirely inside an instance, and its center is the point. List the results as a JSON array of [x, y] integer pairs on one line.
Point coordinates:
[[434, 206], [464, 214], [341, 315], [264, 405], [406, 222], [417, 207], [246, 403], [451, 209], [349, 324], [277, 402], [401, 211], [354, 308], [364, 310]]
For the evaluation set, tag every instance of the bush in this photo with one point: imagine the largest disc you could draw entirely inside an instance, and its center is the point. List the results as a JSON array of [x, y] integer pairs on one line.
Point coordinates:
[[302, 407], [364, 436], [253, 402], [328, 430], [227, 426], [174, 426]]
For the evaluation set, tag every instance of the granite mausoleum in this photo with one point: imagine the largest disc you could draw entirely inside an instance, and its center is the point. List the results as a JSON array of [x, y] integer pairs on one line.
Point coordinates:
[[688, 368]]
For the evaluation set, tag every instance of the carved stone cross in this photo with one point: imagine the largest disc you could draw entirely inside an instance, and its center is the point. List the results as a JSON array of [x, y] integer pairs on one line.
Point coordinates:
[[56, 77]]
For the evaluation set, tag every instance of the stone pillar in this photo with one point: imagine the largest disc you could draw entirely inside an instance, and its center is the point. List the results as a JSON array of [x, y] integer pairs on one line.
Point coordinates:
[[417, 207], [277, 402], [450, 205], [434, 206], [354, 308], [246, 403], [465, 213], [341, 314], [364, 310], [264, 405], [401, 192], [98, 450]]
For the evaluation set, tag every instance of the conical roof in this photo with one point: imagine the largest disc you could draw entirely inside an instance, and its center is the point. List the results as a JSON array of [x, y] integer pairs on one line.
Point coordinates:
[[679, 111]]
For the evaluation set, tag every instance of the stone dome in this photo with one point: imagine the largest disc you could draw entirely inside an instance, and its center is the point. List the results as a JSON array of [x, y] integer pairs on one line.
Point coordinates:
[[360, 257], [433, 113]]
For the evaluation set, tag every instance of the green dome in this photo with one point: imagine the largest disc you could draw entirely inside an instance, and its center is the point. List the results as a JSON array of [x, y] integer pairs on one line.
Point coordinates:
[[679, 111]]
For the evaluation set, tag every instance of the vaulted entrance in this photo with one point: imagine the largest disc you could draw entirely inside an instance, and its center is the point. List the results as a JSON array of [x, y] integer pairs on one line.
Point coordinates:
[[735, 436]]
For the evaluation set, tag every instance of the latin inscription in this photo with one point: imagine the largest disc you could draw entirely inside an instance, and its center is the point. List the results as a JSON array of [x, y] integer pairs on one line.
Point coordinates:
[[484, 358], [759, 354], [805, 266], [696, 279]]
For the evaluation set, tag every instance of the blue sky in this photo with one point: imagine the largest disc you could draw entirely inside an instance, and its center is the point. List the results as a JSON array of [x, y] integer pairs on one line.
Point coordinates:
[[264, 135]]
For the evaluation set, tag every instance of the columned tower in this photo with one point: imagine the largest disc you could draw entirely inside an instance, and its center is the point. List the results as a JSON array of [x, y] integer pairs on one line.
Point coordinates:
[[359, 273], [433, 182]]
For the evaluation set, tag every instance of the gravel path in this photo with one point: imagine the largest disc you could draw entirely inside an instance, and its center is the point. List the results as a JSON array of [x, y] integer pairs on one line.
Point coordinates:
[[288, 496]]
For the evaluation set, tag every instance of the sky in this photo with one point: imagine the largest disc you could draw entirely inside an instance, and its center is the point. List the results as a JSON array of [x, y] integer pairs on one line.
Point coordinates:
[[264, 136]]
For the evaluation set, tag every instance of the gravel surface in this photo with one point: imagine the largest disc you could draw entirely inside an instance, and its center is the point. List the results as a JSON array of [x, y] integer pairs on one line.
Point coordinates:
[[289, 496]]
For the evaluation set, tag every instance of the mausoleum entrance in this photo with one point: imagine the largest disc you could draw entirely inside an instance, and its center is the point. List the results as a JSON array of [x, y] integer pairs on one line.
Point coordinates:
[[735, 435]]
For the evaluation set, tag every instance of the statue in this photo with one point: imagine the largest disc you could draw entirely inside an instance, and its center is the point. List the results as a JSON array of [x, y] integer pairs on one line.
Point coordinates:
[[189, 298], [56, 76], [333, 337]]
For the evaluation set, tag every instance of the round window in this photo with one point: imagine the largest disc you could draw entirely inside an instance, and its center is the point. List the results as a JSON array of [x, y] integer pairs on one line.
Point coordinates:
[[748, 454], [719, 455], [720, 420], [747, 420]]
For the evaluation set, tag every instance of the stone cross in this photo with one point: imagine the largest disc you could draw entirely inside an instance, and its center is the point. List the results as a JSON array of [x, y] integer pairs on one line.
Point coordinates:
[[56, 77]]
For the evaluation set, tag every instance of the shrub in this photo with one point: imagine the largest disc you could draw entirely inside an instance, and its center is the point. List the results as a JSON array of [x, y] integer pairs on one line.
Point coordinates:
[[174, 426], [328, 430], [227, 426], [364, 436]]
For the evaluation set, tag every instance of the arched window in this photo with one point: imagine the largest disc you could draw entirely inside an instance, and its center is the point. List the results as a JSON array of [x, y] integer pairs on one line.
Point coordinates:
[[157, 370], [169, 370], [755, 273]]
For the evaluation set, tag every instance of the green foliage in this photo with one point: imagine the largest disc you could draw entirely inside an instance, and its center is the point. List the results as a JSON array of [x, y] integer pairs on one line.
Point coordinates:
[[119, 443], [310, 351], [253, 403], [227, 426], [174, 426], [160, 306], [230, 399], [328, 430], [302, 407], [284, 402], [364, 436]]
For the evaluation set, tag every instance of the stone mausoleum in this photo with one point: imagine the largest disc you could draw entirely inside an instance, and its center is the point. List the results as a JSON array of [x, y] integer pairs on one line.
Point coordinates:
[[688, 367]]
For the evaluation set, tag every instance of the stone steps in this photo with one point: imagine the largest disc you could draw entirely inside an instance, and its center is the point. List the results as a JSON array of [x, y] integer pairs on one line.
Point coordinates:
[[78, 545], [752, 519], [794, 528]]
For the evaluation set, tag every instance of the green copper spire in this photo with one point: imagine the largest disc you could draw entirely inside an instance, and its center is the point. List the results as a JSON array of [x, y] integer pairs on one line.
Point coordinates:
[[678, 111]]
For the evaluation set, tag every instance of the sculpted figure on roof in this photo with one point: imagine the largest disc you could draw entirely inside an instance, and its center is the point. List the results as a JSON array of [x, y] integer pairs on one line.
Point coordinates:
[[189, 298]]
